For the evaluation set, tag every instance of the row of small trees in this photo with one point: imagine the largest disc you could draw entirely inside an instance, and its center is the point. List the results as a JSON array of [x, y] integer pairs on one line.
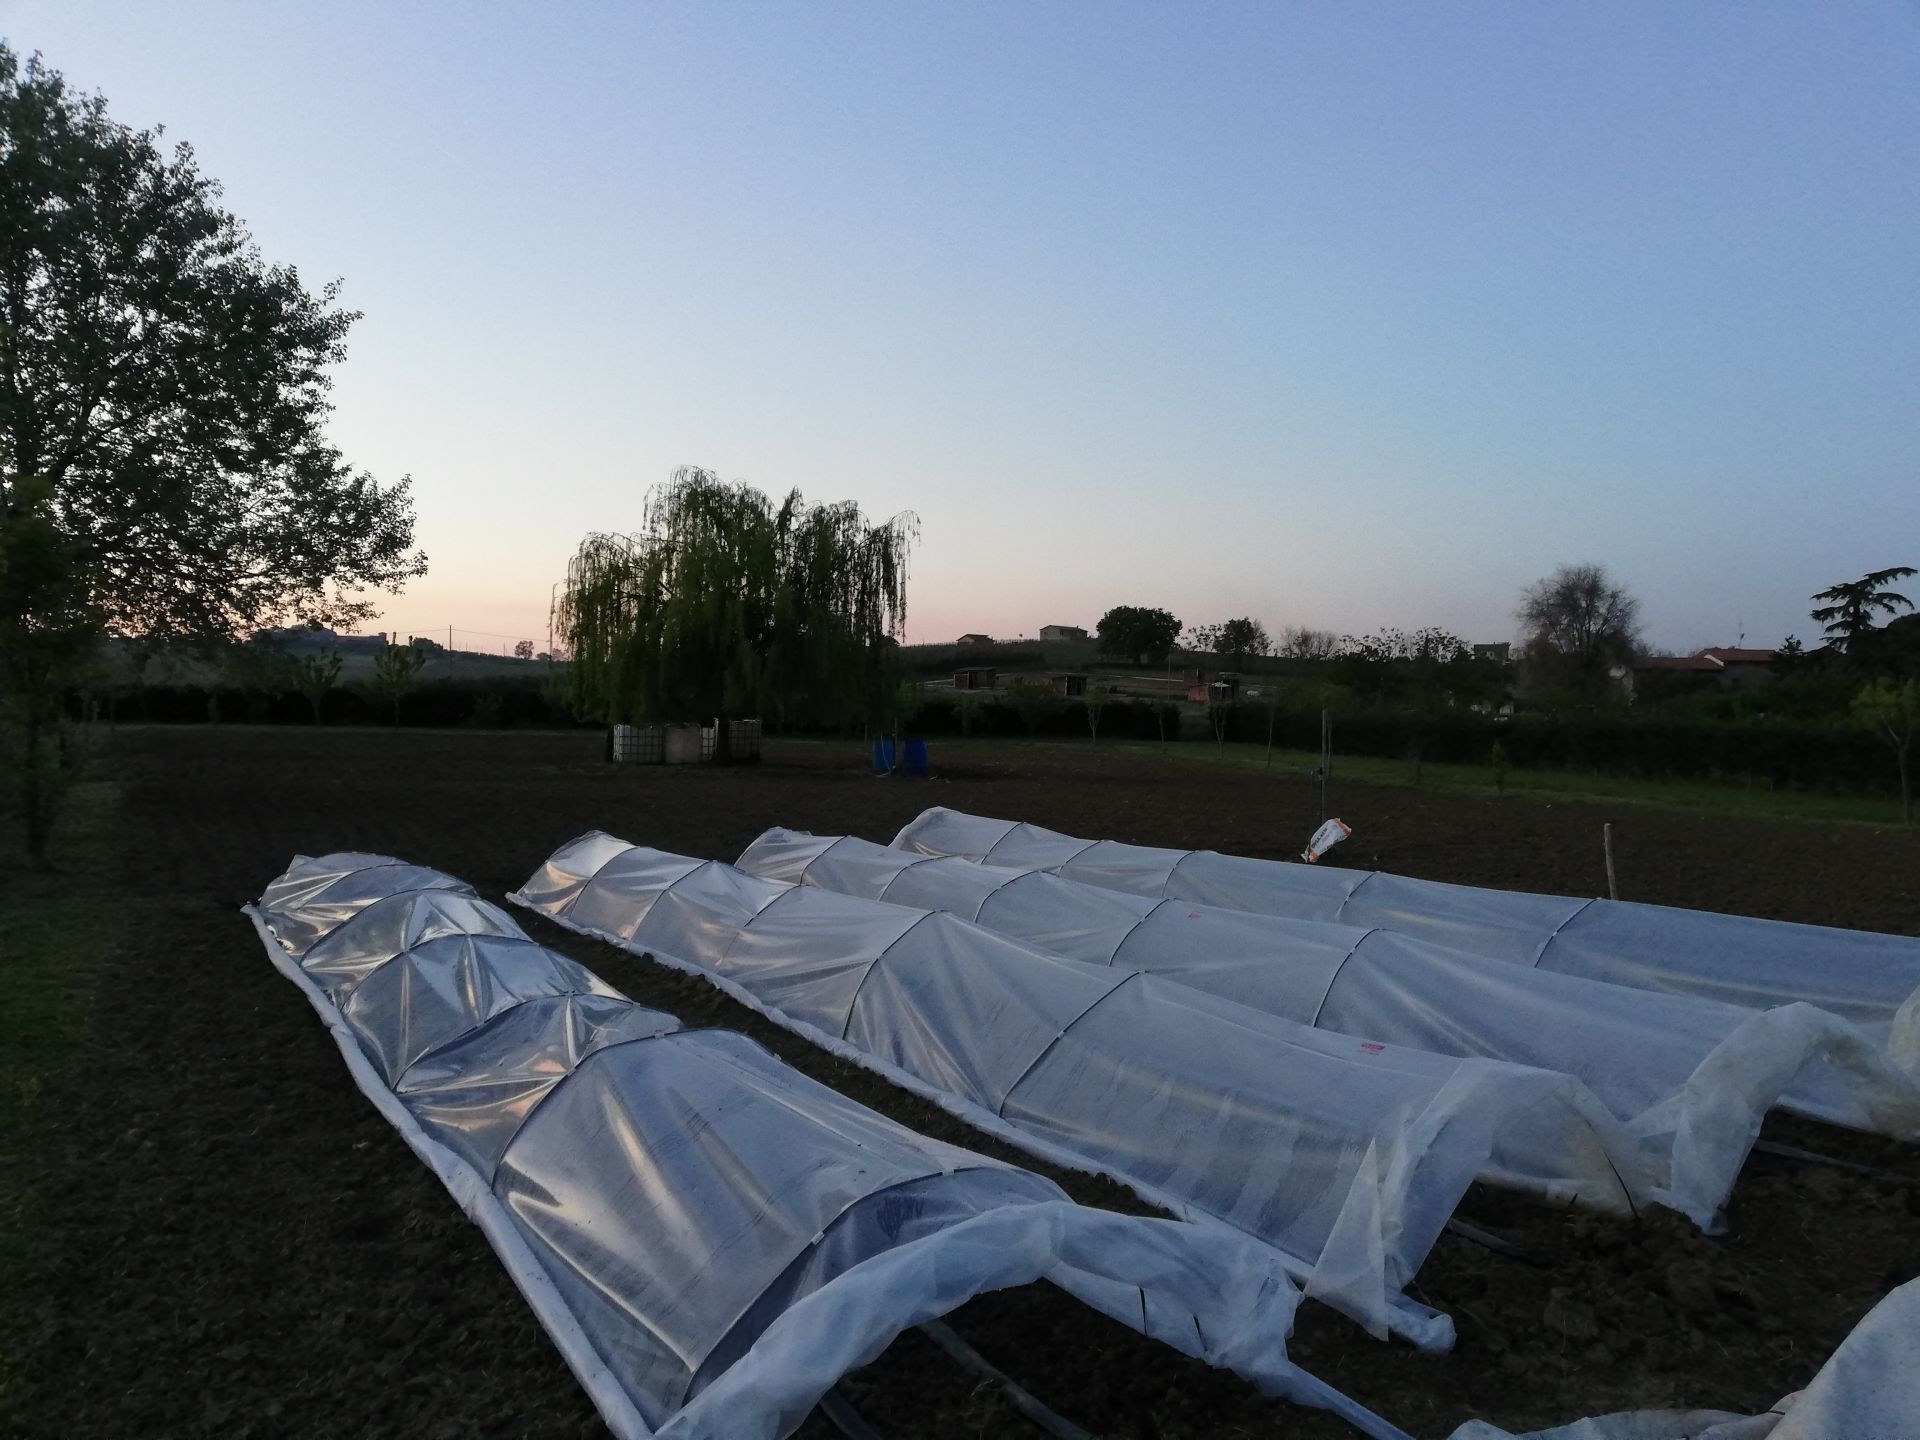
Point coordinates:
[[1576, 621], [1580, 632], [1578, 627], [1149, 636]]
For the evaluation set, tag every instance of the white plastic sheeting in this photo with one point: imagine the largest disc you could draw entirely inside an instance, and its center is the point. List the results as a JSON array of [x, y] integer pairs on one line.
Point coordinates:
[[1696, 1074], [711, 1238], [317, 893], [1869, 1389], [1870, 979], [1346, 1156]]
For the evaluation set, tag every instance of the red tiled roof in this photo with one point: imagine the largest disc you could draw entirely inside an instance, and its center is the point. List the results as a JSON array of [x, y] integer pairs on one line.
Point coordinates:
[[1713, 659], [1677, 662]]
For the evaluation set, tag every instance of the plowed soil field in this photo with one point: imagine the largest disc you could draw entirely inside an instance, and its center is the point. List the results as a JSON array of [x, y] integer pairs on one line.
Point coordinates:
[[226, 1240]]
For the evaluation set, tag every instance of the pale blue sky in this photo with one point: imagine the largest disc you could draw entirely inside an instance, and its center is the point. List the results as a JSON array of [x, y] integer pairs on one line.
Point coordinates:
[[1346, 315]]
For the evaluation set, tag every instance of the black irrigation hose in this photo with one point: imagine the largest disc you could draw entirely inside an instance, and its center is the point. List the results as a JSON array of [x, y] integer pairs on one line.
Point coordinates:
[[1496, 1244], [1814, 1157], [1363, 1420], [1055, 1425], [839, 1410]]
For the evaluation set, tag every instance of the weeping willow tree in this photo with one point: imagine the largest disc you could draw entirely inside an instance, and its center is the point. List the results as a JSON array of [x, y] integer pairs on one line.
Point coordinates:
[[724, 604]]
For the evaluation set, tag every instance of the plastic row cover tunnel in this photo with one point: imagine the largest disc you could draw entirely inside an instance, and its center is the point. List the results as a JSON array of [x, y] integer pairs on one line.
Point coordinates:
[[1869, 1389], [711, 1238], [1695, 1075], [1868, 978], [1348, 1157]]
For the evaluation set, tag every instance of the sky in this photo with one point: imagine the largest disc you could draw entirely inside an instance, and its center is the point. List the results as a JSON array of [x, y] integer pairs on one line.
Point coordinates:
[[1343, 315]]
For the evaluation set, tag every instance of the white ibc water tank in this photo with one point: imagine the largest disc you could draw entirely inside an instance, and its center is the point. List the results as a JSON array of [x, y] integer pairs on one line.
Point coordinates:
[[682, 745], [638, 744], [651, 744]]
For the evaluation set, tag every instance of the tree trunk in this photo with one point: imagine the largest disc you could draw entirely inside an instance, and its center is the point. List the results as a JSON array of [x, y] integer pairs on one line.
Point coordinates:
[[1906, 785], [34, 806], [39, 784]]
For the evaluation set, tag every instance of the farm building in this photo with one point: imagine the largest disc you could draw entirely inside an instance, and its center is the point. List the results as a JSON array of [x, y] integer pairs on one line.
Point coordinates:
[[1727, 667], [1073, 686], [967, 642], [976, 677], [1071, 633], [304, 639]]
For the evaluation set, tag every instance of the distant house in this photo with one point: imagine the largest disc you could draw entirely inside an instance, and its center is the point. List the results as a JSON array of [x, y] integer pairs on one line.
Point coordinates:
[[1728, 667], [1072, 633], [1500, 651], [1740, 666], [968, 642]]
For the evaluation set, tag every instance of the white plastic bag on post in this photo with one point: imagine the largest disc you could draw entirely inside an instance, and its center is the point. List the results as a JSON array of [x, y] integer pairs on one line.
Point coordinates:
[[1330, 834]]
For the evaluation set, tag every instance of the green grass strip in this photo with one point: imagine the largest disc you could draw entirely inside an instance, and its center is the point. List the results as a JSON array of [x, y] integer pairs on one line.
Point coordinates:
[[1723, 797], [52, 925]]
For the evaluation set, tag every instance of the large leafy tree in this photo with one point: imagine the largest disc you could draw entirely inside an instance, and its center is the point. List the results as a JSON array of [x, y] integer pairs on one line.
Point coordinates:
[[726, 604], [1895, 648], [162, 397], [170, 387], [1851, 607], [1577, 625], [1138, 633]]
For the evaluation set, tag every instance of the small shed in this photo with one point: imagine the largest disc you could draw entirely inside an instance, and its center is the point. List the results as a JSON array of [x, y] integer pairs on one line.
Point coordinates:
[[1073, 686], [1212, 687], [976, 677]]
